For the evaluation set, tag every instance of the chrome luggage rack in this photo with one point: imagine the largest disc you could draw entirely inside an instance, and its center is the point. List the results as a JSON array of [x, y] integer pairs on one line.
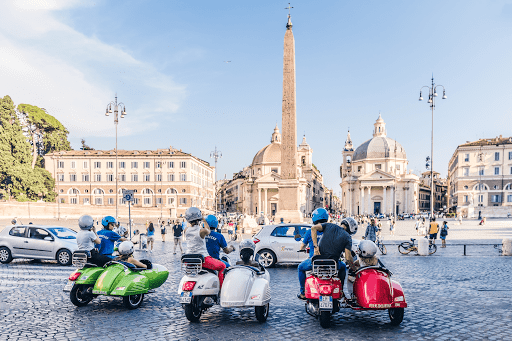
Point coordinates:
[[191, 266], [325, 268], [79, 259]]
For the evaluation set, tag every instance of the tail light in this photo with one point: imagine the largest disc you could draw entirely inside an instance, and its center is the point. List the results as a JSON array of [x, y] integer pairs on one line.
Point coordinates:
[[255, 240], [189, 286], [74, 276], [325, 290]]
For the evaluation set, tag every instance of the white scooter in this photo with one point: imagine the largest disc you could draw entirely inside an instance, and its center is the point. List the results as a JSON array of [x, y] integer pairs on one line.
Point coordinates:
[[244, 286]]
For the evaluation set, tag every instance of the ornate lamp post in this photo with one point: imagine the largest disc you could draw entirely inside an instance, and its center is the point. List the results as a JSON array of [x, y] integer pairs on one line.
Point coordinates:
[[216, 154], [432, 94], [116, 107]]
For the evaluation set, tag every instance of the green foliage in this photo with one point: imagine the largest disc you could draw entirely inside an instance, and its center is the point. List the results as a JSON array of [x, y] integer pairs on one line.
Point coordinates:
[[17, 178], [55, 135], [84, 146]]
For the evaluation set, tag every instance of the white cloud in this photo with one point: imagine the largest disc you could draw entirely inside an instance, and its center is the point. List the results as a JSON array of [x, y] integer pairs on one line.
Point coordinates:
[[49, 64]]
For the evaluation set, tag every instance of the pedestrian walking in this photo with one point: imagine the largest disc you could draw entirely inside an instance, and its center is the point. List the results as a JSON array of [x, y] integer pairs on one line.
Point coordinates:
[[444, 233], [163, 231], [151, 235], [177, 229], [392, 227], [231, 230], [417, 226], [433, 230]]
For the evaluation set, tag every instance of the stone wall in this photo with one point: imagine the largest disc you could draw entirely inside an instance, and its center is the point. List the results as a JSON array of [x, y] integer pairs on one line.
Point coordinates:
[[488, 211]]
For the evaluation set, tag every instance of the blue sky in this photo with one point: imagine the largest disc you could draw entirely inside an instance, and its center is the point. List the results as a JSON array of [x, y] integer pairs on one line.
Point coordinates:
[[166, 61]]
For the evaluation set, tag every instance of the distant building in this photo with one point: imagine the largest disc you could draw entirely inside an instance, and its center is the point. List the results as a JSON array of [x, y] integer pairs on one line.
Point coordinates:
[[480, 178], [167, 177], [440, 193]]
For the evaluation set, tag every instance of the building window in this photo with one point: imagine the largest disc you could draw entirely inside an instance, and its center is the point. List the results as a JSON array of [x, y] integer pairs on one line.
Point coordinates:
[[60, 177], [72, 200], [496, 187], [480, 198], [72, 177], [122, 164], [135, 164], [146, 177], [122, 177], [509, 198], [170, 200], [86, 165], [378, 166], [481, 171], [183, 201], [85, 177], [111, 201], [510, 155], [465, 171], [86, 201], [147, 201], [110, 177], [497, 156], [183, 177], [170, 177], [359, 169], [465, 198], [466, 187], [466, 157], [158, 177], [98, 201], [60, 164], [274, 170], [158, 164], [135, 177], [183, 164], [73, 164], [496, 198], [496, 170], [97, 177], [136, 201], [170, 164], [146, 165], [158, 201], [110, 164], [97, 164]]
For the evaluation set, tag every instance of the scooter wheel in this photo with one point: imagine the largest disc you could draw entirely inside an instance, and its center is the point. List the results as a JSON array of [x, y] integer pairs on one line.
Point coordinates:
[[79, 296], [133, 301], [192, 312], [325, 319], [396, 315], [261, 313]]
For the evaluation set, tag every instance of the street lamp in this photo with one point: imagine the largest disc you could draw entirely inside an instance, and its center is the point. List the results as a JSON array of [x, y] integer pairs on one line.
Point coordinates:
[[116, 106], [216, 154], [480, 159], [432, 94]]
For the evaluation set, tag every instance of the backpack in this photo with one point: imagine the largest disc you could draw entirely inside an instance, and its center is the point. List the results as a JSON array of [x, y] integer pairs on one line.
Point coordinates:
[[444, 231]]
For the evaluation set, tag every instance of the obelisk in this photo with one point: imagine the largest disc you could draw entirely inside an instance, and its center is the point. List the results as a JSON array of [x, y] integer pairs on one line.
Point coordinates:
[[288, 205]]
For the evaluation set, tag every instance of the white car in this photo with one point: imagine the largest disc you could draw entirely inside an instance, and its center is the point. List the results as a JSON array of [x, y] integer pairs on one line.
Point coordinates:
[[277, 244]]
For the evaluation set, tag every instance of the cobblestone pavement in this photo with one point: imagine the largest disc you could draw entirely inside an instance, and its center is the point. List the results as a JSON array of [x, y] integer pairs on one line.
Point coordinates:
[[450, 297]]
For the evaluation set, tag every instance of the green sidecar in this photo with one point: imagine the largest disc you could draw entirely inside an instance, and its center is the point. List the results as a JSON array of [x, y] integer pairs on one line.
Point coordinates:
[[115, 279]]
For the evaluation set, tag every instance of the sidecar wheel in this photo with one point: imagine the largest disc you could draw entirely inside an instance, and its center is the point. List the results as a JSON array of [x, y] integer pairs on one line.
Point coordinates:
[[396, 315], [325, 319], [261, 313], [192, 312], [133, 301], [78, 295]]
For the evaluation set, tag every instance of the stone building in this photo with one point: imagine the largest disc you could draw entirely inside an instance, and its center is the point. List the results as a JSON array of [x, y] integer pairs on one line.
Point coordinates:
[[375, 175], [168, 177], [255, 189], [440, 192], [480, 178]]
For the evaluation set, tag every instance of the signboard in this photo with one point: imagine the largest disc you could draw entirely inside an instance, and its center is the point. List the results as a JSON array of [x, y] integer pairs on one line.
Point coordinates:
[[128, 194]]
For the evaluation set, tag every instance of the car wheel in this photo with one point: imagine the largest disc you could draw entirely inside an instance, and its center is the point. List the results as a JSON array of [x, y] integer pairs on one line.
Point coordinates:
[[5, 255], [63, 257], [267, 258]]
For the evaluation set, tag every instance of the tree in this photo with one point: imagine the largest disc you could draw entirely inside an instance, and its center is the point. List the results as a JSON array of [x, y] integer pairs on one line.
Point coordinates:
[[55, 135], [84, 146]]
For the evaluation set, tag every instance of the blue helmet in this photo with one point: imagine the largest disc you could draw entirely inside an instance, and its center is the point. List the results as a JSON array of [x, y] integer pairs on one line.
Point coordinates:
[[212, 221], [108, 219], [320, 214]]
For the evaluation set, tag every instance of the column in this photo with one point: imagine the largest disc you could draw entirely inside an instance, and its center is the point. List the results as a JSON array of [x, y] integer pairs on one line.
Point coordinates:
[[405, 200], [385, 201], [361, 200], [393, 208], [259, 202], [265, 206], [370, 211]]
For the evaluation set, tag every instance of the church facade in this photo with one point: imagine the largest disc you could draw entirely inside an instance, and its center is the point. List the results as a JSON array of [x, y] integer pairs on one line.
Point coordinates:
[[374, 177]]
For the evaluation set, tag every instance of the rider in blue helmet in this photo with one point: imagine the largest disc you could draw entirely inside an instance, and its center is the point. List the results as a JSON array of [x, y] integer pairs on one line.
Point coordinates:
[[215, 240], [108, 237]]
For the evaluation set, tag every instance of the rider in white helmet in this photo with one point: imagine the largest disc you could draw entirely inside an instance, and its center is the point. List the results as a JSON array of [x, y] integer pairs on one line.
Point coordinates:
[[247, 248], [367, 251], [125, 250]]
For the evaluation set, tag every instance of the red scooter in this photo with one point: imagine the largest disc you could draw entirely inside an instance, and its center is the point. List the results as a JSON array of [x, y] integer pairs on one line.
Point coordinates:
[[373, 289]]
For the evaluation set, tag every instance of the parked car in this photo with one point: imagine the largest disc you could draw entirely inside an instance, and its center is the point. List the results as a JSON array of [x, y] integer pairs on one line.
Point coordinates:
[[37, 242], [277, 244]]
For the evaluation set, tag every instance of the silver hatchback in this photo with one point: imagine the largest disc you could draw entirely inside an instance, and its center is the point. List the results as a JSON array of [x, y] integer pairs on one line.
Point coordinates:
[[37, 242]]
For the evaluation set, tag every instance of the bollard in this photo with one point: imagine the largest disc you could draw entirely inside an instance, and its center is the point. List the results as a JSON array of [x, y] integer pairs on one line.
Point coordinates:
[[423, 247], [507, 247]]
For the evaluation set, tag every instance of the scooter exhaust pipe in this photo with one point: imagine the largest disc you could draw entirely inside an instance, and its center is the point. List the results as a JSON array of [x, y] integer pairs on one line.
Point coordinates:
[[311, 309]]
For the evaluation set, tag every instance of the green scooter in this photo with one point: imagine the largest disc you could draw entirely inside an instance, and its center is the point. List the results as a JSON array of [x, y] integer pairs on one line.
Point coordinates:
[[119, 279]]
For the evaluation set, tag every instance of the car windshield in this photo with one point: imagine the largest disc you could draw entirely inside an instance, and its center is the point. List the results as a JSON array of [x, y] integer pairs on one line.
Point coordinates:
[[62, 232]]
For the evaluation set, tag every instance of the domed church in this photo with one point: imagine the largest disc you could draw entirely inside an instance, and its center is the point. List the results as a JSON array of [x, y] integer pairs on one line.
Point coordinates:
[[374, 177]]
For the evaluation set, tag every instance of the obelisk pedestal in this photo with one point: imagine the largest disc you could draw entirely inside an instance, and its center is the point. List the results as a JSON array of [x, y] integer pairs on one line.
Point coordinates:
[[288, 205]]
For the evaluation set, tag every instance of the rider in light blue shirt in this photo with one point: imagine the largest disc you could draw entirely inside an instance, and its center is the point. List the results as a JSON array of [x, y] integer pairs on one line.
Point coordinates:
[[216, 241], [108, 237]]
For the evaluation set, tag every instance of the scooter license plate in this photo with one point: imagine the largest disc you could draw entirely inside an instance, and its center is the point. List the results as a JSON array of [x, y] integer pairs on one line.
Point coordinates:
[[186, 297], [68, 286], [325, 302]]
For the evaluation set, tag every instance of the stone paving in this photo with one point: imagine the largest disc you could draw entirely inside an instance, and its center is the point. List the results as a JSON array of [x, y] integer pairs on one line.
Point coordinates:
[[450, 297]]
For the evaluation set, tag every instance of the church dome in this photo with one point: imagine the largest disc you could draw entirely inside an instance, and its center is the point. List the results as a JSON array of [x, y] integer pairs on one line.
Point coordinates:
[[380, 146], [271, 153]]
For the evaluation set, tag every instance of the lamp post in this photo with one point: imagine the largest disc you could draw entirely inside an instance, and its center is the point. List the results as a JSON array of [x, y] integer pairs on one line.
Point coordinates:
[[216, 154], [432, 94], [480, 159], [116, 107]]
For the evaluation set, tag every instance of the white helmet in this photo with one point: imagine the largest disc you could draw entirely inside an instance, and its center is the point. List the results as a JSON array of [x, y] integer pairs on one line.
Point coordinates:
[[247, 244], [351, 225], [367, 248], [85, 222], [125, 248], [193, 214], [121, 230]]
